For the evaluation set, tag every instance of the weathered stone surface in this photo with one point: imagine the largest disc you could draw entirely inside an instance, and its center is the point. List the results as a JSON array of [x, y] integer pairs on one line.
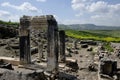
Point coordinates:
[[108, 67], [34, 50], [40, 51], [14, 46], [21, 75], [39, 22], [7, 32], [5, 65], [88, 42], [24, 32], [84, 46], [118, 75], [65, 76], [2, 44], [75, 44], [13, 61], [39, 27], [62, 45], [72, 63], [52, 52], [76, 52], [89, 49], [93, 67]]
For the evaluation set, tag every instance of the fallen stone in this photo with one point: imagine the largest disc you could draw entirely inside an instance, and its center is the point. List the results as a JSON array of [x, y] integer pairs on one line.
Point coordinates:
[[69, 55], [88, 42], [65, 76], [13, 61], [5, 65], [34, 50], [84, 46], [2, 44], [76, 52], [89, 49], [108, 67], [72, 63], [14, 46], [21, 75], [93, 67]]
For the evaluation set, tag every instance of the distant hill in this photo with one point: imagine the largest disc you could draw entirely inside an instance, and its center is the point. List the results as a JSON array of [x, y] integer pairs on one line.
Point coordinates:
[[88, 27]]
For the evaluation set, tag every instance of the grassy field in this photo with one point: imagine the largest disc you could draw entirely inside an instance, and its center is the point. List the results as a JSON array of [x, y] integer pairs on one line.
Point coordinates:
[[113, 33], [100, 35]]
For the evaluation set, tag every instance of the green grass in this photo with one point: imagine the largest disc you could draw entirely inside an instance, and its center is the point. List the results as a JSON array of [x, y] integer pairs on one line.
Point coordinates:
[[114, 33], [109, 36], [108, 47]]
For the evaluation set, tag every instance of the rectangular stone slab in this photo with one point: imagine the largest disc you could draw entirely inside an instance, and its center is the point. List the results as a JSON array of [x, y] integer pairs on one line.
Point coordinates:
[[13, 61], [21, 74]]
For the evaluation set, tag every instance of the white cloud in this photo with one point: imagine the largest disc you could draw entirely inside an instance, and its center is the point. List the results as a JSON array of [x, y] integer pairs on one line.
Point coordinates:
[[6, 16], [24, 9], [78, 6], [26, 6], [100, 11], [41, 0], [100, 7], [4, 13], [79, 1]]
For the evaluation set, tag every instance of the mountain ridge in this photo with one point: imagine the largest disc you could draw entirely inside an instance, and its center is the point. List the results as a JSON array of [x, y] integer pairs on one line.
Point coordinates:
[[88, 27]]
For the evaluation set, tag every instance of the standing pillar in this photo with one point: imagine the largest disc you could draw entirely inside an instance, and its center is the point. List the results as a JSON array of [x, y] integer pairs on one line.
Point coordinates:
[[24, 32], [40, 51], [62, 45], [75, 44], [52, 53]]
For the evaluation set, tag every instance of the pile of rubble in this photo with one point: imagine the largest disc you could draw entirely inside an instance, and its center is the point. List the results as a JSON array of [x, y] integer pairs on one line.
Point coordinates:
[[7, 32]]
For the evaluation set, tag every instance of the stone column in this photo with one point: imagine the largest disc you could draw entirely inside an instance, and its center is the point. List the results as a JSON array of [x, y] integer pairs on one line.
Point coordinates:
[[75, 44], [62, 45], [24, 39], [52, 37], [40, 51]]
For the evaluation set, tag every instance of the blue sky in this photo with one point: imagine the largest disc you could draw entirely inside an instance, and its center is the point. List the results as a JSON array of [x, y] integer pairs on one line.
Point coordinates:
[[99, 12]]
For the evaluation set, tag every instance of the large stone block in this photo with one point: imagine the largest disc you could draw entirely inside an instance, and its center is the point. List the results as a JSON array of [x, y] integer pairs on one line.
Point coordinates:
[[22, 74], [108, 67]]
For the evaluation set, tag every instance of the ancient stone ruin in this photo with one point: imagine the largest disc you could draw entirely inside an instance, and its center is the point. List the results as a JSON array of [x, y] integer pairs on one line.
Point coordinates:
[[38, 34], [44, 52], [46, 24]]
